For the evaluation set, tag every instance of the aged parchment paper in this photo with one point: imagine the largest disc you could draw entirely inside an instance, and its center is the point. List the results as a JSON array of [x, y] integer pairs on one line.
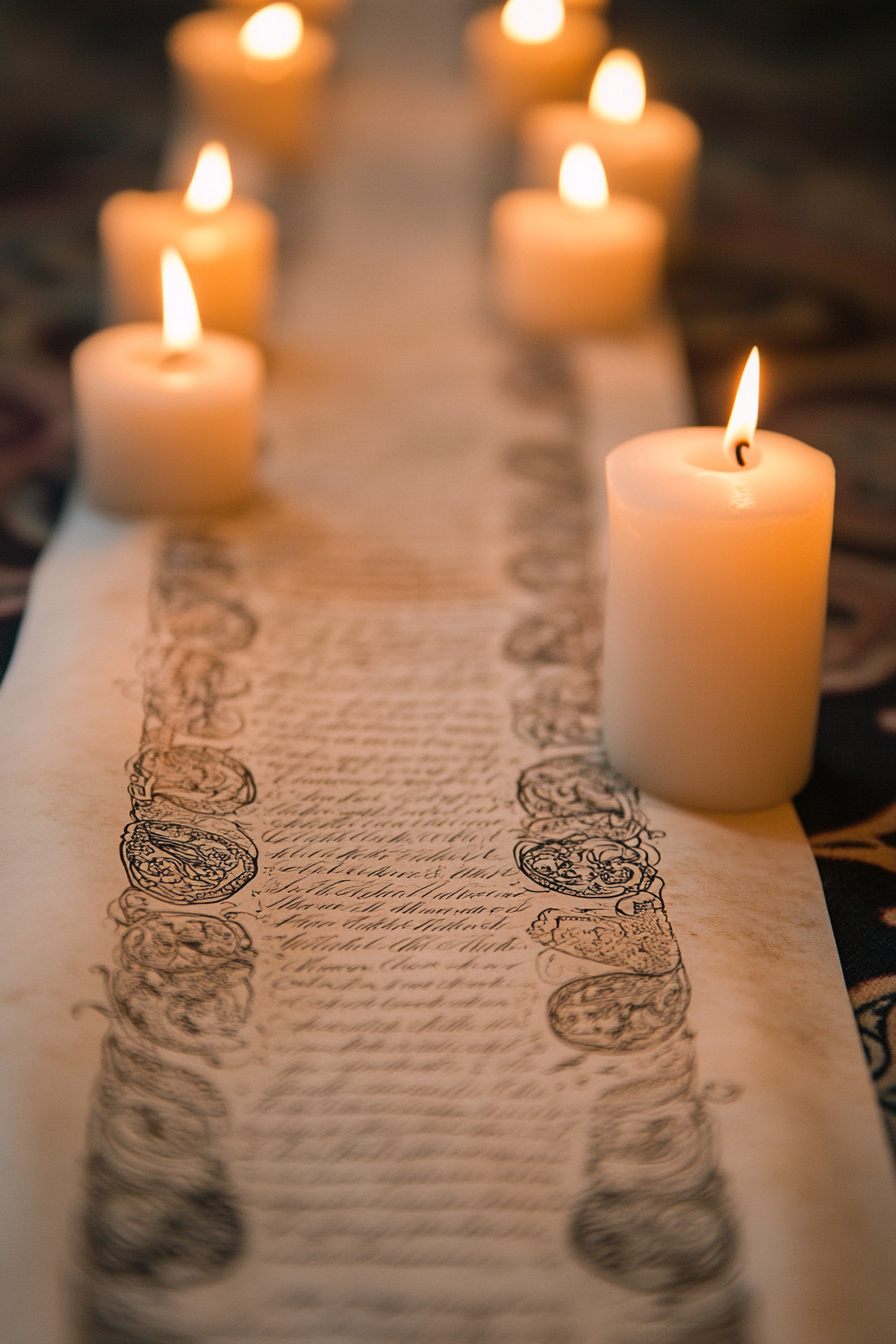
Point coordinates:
[[349, 995]]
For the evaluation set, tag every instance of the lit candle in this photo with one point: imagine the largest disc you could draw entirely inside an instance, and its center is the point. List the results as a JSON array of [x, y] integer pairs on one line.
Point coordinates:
[[530, 51], [718, 559], [315, 11], [579, 261], [167, 416], [649, 149], [228, 244], [260, 80]]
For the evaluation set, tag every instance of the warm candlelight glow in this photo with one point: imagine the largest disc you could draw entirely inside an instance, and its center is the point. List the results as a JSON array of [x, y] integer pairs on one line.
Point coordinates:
[[182, 329], [742, 425], [583, 182], [273, 33], [532, 21], [212, 185], [618, 93]]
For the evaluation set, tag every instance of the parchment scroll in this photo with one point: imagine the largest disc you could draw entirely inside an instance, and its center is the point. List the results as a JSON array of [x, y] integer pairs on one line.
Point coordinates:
[[350, 995]]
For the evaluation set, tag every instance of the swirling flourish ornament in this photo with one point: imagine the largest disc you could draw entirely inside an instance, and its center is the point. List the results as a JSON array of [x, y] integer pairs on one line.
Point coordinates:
[[655, 1216], [159, 1204]]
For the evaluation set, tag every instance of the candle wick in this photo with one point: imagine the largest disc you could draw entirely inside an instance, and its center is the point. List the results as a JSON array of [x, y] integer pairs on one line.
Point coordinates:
[[739, 452], [176, 359]]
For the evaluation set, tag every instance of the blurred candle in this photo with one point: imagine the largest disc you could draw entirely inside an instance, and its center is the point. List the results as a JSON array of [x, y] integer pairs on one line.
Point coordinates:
[[168, 417], [649, 149], [325, 12], [577, 261], [719, 548], [260, 79], [228, 244], [530, 51]]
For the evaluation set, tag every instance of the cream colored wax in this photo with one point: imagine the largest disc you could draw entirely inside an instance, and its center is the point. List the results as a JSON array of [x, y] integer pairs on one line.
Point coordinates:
[[715, 616], [166, 433], [562, 269], [229, 252], [512, 75], [272, 103], [653, 155], [167, 417]]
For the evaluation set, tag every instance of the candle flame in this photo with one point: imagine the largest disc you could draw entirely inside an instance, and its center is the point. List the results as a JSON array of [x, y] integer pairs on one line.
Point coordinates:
[[583, 182], [618, 92], [181, 327], [533, 21], [212, 185], [272, 34], [745, 412]]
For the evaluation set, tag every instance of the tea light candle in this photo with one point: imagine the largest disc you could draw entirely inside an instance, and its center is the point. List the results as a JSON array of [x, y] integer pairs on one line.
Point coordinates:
[[577, 262], [718, 558], [325, 12], [228, 244], [260, 79], [531, 51], [167, 417], [649, 149]]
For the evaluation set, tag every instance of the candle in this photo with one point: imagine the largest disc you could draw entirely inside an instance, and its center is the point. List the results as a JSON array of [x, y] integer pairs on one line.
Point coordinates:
[[314, 11], [578, 261], [261, 80], [649, 149], [228, 244], [718, 558], [167, 416], [532, 50]]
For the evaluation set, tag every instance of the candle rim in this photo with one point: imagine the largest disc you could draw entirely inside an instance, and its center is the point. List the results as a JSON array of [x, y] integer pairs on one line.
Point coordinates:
[[222, 53], [620, 211], [131, 361], [656, 473]]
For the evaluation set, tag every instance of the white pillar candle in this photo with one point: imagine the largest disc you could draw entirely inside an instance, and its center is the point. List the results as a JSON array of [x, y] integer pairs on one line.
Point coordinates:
[[649, 149], [579, 261], [228, 244], [715, 611], [529, 51], [167, 417], [259, 79], [325, 12]]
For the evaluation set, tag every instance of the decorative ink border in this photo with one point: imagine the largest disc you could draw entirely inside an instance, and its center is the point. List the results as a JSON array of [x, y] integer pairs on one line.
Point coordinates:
[[160, 1207], [655, 1215]]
